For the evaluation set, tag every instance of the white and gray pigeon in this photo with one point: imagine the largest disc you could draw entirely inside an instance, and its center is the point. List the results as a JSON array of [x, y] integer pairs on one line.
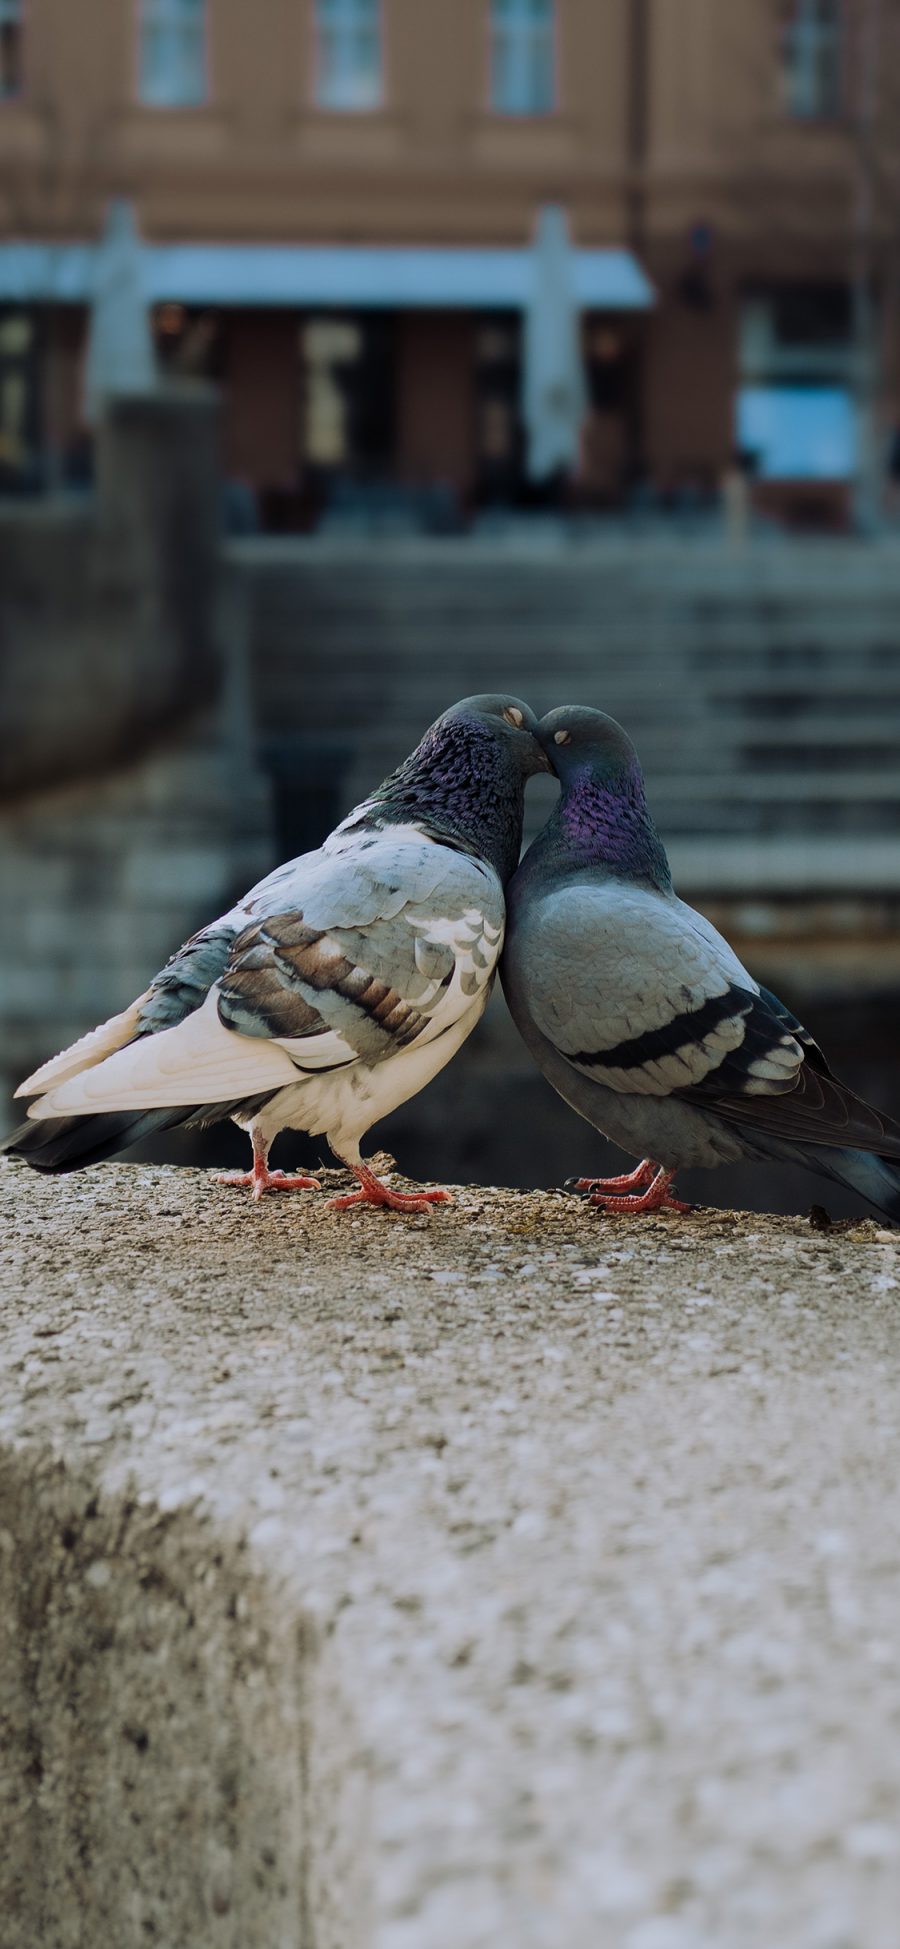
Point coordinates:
[[642, 1017], [334, 991]]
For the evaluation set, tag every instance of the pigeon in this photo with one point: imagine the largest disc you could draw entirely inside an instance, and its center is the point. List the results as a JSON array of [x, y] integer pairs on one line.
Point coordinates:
[[642, 1017], [334, 991]]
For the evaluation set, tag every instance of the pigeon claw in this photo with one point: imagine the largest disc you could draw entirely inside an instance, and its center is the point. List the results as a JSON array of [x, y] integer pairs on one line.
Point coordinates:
[[656, 1197], [373, 1191], [636, 1180], [258, 1182]]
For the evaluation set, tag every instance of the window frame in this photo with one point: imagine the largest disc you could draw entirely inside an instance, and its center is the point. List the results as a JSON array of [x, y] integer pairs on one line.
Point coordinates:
[[144, 12], [796, 17], [317, 68], [15, 16], [510, 114]]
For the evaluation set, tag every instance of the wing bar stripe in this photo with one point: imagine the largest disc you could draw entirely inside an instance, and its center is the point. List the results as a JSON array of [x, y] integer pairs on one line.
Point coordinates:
[[691, 1027]]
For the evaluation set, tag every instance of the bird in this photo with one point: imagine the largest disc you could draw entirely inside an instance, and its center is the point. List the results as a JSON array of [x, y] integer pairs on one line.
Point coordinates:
[[336, 989], [643, 1018]]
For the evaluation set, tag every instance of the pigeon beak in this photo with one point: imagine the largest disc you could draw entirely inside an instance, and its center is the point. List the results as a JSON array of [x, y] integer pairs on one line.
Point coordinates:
[[537, 759], [530, 745], [544, 740]]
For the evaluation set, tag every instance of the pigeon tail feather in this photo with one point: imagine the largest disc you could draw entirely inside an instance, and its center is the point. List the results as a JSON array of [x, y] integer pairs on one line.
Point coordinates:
[[875, 1178], [69, 1143], [88, 1050]]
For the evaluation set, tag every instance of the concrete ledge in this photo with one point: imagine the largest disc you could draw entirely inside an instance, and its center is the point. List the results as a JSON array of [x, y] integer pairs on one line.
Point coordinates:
[[509, 1578]]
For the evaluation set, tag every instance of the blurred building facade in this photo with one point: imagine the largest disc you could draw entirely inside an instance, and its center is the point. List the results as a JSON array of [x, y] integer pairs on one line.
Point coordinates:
[[337, 199]]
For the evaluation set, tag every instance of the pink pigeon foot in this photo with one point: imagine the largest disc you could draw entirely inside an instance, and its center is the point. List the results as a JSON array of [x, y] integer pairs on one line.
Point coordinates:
[[636, 1180], [656, 1198], [373, 1192], [261, 1179]]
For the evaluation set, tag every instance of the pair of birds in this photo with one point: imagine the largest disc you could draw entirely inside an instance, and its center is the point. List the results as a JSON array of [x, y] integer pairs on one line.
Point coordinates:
[[348, 978]]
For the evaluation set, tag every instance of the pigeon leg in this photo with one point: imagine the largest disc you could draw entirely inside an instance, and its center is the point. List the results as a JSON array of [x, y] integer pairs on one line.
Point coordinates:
[[636, 1180], [374, 1192], [656, 1198], [261, 1179]]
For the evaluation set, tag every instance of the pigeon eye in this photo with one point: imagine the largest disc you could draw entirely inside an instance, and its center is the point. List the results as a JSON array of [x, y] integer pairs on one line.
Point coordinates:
[[562, 737], [515, 717]]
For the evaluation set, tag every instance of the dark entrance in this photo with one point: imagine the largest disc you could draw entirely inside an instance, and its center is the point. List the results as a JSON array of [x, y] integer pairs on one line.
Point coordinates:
[[20, 402], [348, 405], [499, 434]]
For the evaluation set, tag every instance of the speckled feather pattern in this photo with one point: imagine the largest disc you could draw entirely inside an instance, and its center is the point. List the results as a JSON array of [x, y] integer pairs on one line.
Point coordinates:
[[463, 784]]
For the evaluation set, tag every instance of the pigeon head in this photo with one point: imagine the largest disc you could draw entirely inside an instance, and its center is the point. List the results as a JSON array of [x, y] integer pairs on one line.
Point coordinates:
[[577, 739], [503, 718], [602, 817], [465, 782]]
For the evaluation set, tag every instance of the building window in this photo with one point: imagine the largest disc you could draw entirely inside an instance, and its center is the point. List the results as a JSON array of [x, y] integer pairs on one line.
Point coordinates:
[[10, 49], [811, 59], [795, 411], [522, 57], [348, 54], [798, 432], [172, 57]]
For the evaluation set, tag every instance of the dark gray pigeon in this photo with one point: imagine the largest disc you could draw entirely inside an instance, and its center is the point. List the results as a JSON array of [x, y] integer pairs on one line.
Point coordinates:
[[641, 1016], [335, 990]]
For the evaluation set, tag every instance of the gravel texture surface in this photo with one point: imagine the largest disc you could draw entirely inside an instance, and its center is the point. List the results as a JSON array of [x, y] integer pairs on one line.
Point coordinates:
[[513, 1578]]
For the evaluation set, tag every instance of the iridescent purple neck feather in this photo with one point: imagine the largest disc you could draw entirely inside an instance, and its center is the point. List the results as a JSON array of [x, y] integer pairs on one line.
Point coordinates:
[[602, 820]]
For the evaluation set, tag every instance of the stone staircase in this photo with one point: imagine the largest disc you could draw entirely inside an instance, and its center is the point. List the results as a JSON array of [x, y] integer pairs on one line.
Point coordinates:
[[762, 689]]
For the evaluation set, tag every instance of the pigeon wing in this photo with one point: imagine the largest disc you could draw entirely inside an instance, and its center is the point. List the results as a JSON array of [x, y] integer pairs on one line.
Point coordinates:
[[634, 995], [642, 994], [395, 948], [417, 936], [817, 1108]]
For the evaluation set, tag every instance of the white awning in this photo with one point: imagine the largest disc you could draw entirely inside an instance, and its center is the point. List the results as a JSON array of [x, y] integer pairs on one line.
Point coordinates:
[[405, 278]]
